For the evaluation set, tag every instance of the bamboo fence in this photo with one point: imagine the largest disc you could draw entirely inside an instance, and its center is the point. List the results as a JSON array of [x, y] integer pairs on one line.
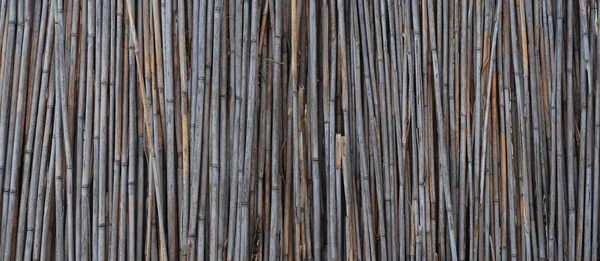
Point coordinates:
[[299, 130]]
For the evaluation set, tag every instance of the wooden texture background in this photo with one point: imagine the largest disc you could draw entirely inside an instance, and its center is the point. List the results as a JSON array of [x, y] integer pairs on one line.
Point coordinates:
[[299, 130]]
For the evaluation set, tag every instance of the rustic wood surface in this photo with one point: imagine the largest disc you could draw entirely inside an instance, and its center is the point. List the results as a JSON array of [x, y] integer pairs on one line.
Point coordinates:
[[299, 130]]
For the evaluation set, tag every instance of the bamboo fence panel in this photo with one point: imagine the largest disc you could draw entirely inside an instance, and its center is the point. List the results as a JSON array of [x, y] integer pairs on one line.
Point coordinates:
[[299, 130]]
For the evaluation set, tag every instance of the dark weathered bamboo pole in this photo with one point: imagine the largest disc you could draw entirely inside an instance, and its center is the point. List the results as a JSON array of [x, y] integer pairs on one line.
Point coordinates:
[[560, 161], [329, 148], [571, 168], [584, 180], [133, 184], [509, 177], [213, 143], [555, 158], [596, 182], [277, 129], [265, 170], [463, 134], [298, 218], [478, 75], [103, 132], [60, 248], [96, 132], [116, 198], [112, 126], [237, 54], [80, 119], [184, 126], [313, 126], [123, 187], [497, 152], [223, 129]]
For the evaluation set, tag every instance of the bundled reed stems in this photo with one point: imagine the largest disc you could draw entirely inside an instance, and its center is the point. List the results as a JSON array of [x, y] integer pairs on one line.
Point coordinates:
[[299, 130]]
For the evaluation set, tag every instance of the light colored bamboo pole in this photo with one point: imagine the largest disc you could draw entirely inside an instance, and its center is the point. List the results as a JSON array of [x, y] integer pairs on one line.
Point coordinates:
[[185, 130], [133, 184], [313, 127], [570, 132], [213, 143], [117, 83], [276, 142], [596, 182]]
